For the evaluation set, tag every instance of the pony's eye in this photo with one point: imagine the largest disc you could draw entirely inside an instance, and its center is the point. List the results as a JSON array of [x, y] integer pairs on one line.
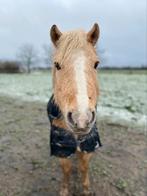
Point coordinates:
[[96, 64], [57, 65]]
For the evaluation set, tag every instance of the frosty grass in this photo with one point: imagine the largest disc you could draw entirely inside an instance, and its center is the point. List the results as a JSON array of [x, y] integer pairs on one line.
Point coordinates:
[[122, 96]]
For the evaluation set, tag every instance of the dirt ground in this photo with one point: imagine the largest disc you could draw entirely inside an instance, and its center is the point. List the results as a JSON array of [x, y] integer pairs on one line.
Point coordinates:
[[26, 168]]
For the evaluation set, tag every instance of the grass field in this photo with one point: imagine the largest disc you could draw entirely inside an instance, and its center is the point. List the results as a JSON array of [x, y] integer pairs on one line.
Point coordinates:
[[123, 93], [117, 169]]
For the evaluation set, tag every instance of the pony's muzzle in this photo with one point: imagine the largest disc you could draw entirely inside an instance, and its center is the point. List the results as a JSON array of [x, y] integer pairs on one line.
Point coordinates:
[[81, 122]]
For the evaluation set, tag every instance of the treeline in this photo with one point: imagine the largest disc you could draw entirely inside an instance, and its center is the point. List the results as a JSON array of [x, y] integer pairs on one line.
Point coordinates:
[[28, 59], [18, 67], [141, 67], [10, 67]]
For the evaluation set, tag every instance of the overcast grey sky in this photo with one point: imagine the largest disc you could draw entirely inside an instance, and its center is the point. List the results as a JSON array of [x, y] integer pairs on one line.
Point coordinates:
[[122, 24]]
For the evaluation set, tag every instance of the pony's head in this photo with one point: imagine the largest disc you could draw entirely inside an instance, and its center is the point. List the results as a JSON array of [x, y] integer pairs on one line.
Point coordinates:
[[75, 85]]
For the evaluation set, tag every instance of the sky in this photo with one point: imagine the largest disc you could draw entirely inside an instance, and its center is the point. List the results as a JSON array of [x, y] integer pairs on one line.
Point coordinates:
[[123, 26]]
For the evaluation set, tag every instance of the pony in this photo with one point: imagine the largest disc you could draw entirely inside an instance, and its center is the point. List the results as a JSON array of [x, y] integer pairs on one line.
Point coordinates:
[[72, 108]]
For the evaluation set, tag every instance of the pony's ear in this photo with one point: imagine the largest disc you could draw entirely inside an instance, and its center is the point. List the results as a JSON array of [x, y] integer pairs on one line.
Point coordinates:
[[93, 34], [55, 34]]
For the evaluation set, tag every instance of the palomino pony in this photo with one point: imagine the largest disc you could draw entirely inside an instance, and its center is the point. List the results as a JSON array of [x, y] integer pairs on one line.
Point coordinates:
[[72, 107]]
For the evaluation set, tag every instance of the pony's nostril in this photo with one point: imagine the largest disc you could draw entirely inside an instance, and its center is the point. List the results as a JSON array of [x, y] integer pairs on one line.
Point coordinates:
[[69, 117], [93, 117]]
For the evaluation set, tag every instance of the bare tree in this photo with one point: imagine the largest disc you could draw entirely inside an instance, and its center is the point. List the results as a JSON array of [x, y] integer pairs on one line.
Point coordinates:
[[27, 55], [47, 54]]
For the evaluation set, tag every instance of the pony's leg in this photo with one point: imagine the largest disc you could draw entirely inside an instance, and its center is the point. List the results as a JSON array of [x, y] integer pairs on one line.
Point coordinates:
[[84, 159], [66, 166]]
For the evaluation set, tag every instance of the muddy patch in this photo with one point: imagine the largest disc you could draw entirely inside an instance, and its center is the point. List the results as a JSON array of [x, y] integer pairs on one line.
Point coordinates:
[[26, 168]]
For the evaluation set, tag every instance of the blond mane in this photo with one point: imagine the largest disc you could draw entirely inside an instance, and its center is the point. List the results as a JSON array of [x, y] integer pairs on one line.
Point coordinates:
[[68, 42]]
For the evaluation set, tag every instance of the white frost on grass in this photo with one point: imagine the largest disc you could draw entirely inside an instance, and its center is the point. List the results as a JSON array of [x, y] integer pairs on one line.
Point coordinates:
[[122, 96], [28, 87], [122, 117]]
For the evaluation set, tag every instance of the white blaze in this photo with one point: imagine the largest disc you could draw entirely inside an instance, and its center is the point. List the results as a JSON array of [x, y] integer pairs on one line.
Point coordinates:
[[80, 77]]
